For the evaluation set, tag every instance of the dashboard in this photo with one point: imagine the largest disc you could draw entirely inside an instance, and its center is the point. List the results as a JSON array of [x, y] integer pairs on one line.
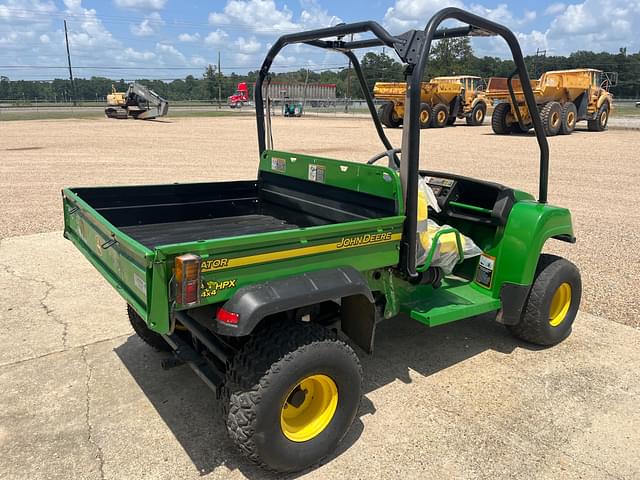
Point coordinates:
[[470, 199]]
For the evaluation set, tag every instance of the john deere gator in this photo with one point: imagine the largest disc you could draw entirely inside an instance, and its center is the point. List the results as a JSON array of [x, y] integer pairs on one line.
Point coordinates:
[[265, 286]]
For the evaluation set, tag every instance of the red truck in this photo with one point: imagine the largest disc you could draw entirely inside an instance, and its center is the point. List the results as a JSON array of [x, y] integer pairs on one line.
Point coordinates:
[[238, 99]]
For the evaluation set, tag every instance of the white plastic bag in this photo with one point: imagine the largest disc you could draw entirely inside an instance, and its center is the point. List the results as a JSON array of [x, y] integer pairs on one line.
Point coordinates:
[[446, 254]]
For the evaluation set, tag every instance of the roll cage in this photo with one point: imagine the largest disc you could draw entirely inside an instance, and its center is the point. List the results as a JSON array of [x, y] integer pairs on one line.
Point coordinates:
[[412, 47]]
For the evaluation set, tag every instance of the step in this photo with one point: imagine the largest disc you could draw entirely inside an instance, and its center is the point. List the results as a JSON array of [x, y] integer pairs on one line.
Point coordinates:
[[454, 300]]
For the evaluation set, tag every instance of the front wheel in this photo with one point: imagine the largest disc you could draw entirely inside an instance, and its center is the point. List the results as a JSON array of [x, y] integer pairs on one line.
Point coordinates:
[[599, 124], [552, 304], [476, 117], [291, 393]]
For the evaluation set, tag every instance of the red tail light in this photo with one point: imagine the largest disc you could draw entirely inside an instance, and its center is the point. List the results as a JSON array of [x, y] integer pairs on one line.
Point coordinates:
[[225, 316], [187, 275]]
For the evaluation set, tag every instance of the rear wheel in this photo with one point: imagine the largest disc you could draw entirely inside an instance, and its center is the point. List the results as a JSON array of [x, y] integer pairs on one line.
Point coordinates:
[[569, 118], [499, 119], [552, 304], [599, 124], [476, 117], [425, 115], [149, 337], [440, 115], [551, 114], [292, 392], [451, 120]]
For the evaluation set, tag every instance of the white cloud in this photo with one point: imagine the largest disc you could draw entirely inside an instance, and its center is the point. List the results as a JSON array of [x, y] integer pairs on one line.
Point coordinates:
[[263, 17], [141, 4], [131, 55], [615, 26], [44, 38], [247, 46], [589, 25], [502, 14], [87, 31], [217, 38], [25, 10], [188, 38], [554, 8], [198, 61], [406, 14], [218, 19], [149, 26], [314, 16], [242, 60]]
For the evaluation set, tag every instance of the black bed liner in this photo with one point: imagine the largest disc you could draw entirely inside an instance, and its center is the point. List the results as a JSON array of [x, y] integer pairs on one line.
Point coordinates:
[[155, 234], [157, 215]]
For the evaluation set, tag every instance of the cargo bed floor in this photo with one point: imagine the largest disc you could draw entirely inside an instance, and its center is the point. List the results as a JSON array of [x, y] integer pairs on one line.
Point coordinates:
[[156, 234]]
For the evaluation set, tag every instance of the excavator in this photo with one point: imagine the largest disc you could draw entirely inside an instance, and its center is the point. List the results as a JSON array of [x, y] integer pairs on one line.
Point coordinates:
[[138, 102]]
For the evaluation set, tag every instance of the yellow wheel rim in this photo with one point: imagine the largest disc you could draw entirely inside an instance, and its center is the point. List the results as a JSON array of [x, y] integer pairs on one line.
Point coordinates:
[[478, 115], [555, 119], [424, 116], [570, 118], [603, 118], [560, 304], [309, 408], [442, 116]]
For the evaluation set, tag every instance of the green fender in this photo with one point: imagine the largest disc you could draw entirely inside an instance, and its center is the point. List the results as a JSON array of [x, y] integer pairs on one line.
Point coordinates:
[[529, 226]]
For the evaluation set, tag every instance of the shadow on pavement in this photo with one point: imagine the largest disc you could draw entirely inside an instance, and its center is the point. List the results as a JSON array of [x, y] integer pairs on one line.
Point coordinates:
[[189, 408]]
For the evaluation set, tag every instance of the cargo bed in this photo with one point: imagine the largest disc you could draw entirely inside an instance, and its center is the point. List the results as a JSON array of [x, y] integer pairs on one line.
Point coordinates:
[[333, 213]]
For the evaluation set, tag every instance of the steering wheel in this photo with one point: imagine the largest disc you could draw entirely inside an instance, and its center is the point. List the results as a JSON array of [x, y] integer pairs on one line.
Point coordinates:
[[390, 154]]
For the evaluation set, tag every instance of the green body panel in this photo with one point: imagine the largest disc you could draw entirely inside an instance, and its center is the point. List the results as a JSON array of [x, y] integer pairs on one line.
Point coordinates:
[[126, 264], [144, 277], [518, 246], [359, 177]]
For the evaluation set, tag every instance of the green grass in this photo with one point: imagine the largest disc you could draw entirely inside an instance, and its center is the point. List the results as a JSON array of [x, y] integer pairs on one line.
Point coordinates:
[[10, 116], [625, 110]]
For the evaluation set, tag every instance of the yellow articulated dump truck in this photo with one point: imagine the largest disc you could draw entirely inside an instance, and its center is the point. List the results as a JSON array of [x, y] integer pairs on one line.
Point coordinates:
[[443, 100], [563, 97]]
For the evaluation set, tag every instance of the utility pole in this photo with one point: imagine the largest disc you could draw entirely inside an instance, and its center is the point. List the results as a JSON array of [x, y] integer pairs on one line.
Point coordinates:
[[73, 87], [539, 53], [346, 102], [219, 83], [304, 93]]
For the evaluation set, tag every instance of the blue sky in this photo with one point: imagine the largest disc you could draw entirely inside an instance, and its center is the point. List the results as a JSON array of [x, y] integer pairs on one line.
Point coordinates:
[[170, 38]]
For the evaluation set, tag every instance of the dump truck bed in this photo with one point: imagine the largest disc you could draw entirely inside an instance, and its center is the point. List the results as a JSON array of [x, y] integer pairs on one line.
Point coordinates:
[[550, 86], [301, 214], [430, 91]]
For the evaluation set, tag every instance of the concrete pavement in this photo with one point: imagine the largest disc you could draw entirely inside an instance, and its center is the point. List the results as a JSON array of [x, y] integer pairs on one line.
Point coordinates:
[[83, 398]]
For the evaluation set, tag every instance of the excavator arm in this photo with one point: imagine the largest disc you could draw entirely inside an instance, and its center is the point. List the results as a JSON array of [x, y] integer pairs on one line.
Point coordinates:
[[149, 103]]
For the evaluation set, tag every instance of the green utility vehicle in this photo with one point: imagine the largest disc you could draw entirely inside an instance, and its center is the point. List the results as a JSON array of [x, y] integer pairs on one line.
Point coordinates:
[[256, 284]]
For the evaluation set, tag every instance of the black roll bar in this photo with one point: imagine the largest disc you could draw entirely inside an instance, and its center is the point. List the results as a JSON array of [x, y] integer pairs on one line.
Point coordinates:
[[314, 38], [413, 48]]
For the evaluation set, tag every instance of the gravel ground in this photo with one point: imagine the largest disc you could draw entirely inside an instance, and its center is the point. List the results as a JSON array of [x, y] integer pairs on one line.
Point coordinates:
[[596, 175]]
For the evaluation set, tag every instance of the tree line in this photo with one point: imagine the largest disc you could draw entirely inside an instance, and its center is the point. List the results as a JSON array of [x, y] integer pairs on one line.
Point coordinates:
[[448, 57]]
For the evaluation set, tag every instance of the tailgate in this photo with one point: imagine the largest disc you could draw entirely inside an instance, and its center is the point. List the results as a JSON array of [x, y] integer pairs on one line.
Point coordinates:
[[125, 263]]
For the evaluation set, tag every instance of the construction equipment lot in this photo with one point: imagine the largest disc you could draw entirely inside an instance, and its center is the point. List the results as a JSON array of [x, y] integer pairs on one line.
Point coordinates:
[[84, 398]]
